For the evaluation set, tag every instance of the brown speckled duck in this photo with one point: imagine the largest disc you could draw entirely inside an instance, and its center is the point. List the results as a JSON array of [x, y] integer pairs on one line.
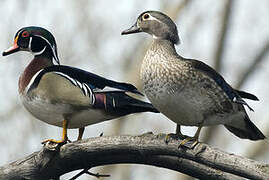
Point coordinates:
[[188, 91]]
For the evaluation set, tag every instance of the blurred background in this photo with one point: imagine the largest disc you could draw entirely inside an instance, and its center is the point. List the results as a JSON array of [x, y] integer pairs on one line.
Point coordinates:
[[231, 36]]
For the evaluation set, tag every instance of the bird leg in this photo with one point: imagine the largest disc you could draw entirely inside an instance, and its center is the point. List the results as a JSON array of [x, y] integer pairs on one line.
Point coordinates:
[[193, 140], [178, 132], [80, 133], [189, 142], [177, 136], [64, 135], [178, 129], [197, 133]]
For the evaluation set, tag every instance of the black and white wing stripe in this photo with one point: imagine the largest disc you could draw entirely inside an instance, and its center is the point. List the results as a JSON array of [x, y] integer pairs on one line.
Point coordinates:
[[89, 83], [87, 91], [94, 81]]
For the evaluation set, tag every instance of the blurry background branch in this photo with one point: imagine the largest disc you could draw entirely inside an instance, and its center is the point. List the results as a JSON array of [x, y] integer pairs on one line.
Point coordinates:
[[222, 37], [254, 65], [220, 49], [202, 162], [88, 36]]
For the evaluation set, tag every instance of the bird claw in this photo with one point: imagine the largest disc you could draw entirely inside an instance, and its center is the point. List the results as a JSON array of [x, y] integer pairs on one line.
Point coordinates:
[[53, 141], [170, 136], [189, 142], [185, 141]]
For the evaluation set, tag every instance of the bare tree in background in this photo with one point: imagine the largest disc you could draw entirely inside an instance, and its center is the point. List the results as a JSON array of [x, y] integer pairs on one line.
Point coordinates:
[[84, 31]]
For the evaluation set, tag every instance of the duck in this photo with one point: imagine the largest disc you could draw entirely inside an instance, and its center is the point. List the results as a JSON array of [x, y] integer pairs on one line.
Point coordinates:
[[185, 90], [66, 96]]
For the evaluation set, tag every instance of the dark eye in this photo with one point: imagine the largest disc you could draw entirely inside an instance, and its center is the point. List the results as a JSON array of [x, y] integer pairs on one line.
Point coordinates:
[[145, 16], [25, 34]]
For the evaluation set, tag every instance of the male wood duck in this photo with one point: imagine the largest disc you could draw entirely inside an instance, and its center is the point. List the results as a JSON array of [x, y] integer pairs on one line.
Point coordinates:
[[65, 96], [188, 91]]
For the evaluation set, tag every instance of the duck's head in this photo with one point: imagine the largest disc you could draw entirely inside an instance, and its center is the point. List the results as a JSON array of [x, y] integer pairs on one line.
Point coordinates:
[[37, 40], [159, 25]]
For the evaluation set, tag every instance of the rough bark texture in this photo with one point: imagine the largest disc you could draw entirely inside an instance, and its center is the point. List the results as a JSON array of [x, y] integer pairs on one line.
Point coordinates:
[[202, 161]]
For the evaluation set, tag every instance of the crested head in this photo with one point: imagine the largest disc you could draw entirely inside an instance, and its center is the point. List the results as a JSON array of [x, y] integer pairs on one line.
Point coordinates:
[[157, 24], [37, 40]]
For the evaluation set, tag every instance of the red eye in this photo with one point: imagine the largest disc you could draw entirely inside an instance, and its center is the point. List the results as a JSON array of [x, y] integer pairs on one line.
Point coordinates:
[[25, 34]]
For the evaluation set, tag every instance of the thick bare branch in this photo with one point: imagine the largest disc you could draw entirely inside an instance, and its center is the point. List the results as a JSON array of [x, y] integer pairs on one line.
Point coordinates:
[[202, 162]]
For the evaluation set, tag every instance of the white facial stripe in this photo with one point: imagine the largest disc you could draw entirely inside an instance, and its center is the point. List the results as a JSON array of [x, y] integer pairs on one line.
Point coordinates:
[[44, 39], [19, 33], [52, 48], [30, 48], [153, 18], [30, 44], [55, 56], [40, 52]]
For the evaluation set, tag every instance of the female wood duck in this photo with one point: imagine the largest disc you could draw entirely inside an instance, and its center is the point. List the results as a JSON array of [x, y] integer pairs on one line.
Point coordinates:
[[66, 96], [188, 91]]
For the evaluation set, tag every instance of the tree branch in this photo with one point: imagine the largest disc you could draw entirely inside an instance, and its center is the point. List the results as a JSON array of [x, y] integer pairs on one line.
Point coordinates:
[[201, 162]]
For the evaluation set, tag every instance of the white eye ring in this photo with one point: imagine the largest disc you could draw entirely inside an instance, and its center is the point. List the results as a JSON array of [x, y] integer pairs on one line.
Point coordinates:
[[146, 16]]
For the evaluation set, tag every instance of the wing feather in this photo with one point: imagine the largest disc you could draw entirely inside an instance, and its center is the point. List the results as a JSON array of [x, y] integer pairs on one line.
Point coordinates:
[[233, 95], [78, 77]]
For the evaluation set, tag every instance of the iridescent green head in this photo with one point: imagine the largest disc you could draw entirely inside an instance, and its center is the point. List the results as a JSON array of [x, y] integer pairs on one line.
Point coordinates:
[[37, 40]]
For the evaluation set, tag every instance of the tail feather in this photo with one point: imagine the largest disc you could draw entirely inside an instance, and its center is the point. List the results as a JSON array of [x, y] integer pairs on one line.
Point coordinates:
[[248, 131], [247, 95]]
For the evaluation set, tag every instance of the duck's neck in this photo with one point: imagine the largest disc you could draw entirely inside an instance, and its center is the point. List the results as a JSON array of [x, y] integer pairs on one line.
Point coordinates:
[[165, 47], [35, 65]]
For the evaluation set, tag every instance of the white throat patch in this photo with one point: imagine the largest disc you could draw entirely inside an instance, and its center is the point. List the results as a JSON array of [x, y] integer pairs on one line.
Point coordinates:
[[30, 48], [53, 48]]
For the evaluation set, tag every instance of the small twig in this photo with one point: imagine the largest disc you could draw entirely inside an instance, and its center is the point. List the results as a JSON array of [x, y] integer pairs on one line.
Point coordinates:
[[78, 175], [86, 171], [97, 175]]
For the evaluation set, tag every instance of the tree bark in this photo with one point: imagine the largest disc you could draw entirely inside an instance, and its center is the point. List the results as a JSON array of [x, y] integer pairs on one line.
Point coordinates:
[[202, 161]]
